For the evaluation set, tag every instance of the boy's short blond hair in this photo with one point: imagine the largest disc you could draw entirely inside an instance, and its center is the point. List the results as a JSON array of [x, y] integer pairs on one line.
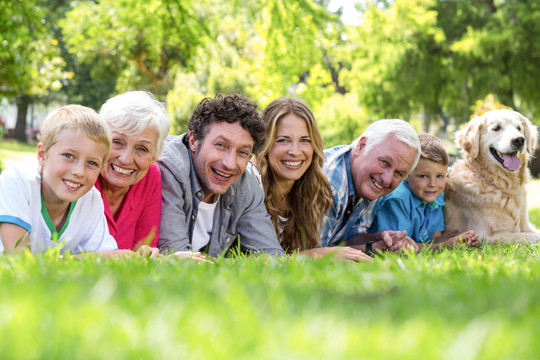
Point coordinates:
[[433, 149], [75, 117]]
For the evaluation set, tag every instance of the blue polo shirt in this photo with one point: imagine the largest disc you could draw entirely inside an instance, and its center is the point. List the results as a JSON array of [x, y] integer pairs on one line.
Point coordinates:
[[402, 210]]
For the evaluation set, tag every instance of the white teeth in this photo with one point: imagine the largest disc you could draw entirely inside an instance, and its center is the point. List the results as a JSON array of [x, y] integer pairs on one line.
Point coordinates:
[[292, 163], [222, 174], [71, 184], [377, 185], [122, 171]]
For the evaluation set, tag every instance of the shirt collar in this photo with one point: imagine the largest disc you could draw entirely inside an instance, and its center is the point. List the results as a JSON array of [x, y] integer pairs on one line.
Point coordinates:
[[196, 187], [347, 160]]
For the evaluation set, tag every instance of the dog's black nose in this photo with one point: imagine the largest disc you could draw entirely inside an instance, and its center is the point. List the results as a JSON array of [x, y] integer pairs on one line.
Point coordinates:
[[518, 142]]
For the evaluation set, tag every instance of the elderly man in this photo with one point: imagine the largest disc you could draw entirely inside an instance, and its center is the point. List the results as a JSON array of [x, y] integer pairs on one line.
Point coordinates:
[[360, 173], [208, 199]]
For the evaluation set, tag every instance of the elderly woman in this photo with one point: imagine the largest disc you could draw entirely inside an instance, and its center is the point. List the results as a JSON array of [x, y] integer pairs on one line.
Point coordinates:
[[297, 193], [130, 181]]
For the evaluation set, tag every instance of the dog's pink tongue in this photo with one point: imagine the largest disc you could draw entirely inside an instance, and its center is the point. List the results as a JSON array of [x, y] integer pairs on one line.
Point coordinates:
[[511, 162]]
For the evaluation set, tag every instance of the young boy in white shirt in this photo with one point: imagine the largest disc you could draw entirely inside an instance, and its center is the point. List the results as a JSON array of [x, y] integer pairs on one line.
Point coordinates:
[[58, 204]]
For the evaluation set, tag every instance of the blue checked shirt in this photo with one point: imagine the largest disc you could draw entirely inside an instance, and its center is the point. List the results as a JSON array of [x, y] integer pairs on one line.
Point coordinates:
[[358, 217]]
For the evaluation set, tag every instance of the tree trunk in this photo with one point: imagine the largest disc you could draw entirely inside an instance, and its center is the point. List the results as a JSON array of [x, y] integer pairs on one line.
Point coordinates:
[[22, 112]]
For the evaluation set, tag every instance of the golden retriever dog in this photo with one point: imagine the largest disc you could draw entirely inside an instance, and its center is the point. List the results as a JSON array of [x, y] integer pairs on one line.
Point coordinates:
[[485, 190]]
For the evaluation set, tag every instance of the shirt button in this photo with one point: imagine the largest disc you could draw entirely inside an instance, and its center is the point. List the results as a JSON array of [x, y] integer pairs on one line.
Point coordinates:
[[198, 193], [192, 217]]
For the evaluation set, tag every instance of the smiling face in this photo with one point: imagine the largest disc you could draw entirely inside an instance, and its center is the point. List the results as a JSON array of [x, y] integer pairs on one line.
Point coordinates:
[[70, 167], [221, 157], [427, 180], [292, 151], [380, 171], [130, 158]]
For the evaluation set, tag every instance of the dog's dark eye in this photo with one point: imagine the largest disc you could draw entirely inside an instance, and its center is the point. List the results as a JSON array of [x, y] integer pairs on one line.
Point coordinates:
[[497, 128], [519, 128]]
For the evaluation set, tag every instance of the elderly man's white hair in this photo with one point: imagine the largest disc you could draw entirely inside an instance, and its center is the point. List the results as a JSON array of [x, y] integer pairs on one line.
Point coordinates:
[[381, 130]]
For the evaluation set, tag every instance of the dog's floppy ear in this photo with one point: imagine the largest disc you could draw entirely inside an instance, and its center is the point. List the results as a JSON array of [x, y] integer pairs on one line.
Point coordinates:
[[531, 134], [468, 139]]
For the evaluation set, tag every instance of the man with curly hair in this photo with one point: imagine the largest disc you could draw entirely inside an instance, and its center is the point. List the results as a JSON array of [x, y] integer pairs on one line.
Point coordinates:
[[208, 199]]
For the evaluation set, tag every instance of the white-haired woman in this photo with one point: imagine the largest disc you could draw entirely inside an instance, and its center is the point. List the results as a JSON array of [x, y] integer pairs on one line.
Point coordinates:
[[130, 181]]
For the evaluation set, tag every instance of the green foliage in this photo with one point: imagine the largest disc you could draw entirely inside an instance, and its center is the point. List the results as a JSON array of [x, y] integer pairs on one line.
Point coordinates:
[[136, 41], [29, 53], [487, 104], [534, 216], [425, 61], [478, 303], [266, 50], [501, 53], [340, 120]]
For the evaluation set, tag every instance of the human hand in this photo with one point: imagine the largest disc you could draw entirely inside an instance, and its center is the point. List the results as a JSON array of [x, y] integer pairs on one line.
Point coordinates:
[[347, 253], [391, 237], [471, 238], [147, 251], [197, 256], [405, 244]]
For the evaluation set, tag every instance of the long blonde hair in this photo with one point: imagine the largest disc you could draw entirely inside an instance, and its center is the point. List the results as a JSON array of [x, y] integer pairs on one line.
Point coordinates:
[[310, 196]]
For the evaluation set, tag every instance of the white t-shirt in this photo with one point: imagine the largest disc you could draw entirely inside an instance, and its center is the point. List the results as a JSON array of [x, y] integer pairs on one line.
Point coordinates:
[[20, 204], [202, 230]]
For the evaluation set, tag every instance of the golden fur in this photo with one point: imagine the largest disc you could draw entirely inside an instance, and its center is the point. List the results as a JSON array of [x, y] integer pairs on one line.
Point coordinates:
[[481, 193]]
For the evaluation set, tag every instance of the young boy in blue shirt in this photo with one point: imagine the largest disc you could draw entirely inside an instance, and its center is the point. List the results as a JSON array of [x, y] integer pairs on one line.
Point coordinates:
[[416, 205]]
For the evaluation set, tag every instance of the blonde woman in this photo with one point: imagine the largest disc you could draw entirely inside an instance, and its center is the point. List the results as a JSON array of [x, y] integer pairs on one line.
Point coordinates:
[[297, 194]]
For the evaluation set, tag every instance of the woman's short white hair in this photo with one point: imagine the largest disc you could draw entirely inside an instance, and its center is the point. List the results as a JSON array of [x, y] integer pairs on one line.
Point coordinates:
[[380, 130], [135, 111]]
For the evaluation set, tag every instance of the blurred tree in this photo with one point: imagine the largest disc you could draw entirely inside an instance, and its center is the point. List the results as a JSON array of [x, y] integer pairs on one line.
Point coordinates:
[[135, 42], [484, 105], [30, 57], [433, 59], [266, 50], [399, 67], [501, 56], [88, 86]]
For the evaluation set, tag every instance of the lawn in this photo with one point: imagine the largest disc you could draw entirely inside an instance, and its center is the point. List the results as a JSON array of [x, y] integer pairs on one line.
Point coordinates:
[[453, 304], [13, 152], [12, 146]]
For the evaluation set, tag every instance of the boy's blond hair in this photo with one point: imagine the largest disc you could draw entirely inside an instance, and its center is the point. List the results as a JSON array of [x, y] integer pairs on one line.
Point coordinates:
[[75, 117], [433, 149]]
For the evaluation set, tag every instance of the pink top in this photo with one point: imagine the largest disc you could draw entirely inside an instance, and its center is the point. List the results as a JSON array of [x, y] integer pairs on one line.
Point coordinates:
[[140, 211]]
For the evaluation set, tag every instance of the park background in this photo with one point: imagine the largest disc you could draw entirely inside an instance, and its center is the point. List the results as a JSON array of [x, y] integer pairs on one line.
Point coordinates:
[[432, 63]]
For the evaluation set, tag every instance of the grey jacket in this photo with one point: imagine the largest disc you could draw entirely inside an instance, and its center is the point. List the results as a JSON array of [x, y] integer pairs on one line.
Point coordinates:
[[241, 210]]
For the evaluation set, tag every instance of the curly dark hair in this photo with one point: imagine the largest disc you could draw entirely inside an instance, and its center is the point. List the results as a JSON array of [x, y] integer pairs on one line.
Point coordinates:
[[229, 108]]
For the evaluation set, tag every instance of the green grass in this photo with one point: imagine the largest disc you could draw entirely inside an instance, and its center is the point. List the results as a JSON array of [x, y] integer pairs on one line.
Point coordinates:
[[454, 304], [13, 146], [10, 148]]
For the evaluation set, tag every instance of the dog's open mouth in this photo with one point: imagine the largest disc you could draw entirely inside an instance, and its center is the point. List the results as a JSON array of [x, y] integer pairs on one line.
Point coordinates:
[[509, 161]]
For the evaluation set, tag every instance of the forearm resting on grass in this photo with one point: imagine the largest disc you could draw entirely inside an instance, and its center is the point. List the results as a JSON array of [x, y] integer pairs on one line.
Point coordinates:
[[387, 237], [467, 238], [143, 251], [14, 238], [342, 253], [387, 240]]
